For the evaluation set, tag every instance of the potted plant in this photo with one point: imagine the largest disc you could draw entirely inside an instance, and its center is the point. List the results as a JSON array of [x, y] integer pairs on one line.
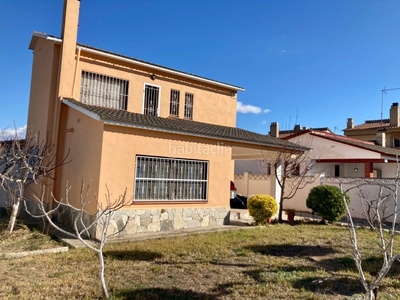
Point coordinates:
[[290, 215]]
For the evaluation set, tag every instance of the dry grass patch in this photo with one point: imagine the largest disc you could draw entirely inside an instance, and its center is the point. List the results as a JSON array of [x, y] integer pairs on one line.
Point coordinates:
[[24, 238], [273, 262]]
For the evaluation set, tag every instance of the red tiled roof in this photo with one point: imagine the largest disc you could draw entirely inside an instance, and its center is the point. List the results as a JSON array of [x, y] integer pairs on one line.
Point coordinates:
[[288, 133], [371, 124], [356, 142]]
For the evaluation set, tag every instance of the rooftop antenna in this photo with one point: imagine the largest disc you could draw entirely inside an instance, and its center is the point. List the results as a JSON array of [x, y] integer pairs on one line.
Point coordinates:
[[384, 91], [334, 129], [297, 115]]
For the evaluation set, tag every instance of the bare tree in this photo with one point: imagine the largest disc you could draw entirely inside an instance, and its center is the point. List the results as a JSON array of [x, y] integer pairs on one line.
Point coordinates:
[[292, 172], [23, 162], [375, 211], [91, 229]]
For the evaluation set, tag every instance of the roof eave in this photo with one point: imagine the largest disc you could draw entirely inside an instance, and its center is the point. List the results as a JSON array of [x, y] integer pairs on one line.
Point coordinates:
[[97, 117], [159, 68], [122, 124], [37, 35]]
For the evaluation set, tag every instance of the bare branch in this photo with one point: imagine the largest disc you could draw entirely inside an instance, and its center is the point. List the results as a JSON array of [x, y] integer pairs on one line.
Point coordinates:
[[85, 225]]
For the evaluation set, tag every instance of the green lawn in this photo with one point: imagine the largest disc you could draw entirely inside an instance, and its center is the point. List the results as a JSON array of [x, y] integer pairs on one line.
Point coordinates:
[[274, 262]]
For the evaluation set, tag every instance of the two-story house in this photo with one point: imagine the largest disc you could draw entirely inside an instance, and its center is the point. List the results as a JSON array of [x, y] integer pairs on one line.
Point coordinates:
[[383, 132], [167, 136]]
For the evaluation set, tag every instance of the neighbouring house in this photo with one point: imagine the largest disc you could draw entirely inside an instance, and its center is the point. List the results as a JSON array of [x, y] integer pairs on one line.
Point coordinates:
[[275, 132], [384, 132], [335, 156], [167, 136], [341, 156], [261, 166]]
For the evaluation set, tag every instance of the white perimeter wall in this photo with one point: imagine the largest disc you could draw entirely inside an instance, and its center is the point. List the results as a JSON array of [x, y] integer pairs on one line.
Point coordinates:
[[249, 184]]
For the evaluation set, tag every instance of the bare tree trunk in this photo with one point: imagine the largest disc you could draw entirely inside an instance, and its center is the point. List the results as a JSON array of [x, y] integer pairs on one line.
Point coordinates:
[[102, 279], [15, 208], [101, 220], [13, 218], [280, 211], [372, 294]]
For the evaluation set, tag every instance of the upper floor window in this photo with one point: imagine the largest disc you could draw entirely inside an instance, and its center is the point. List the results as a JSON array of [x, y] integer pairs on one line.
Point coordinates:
[[396, 143], [174, 103], [101, 90], [188, 106], [151, 100]]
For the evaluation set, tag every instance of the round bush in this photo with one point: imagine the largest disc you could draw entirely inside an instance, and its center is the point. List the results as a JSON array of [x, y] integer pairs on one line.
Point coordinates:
[[262, 207], [327, 201]]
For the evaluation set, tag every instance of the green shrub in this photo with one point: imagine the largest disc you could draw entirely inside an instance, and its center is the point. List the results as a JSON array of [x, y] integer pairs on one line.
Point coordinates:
[[327, 201], [262, 207]]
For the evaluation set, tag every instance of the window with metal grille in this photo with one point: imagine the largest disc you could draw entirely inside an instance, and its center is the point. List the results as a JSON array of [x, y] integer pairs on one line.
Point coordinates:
[[170, 179], [396, 143], [151, 100], [105, 91], [174, 103], [188, 106]]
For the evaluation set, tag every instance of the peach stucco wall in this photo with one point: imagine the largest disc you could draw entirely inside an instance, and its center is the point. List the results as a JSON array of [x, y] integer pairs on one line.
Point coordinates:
[[43, 93], [211, 104], [122, 144], [81, 139], [108, 156]]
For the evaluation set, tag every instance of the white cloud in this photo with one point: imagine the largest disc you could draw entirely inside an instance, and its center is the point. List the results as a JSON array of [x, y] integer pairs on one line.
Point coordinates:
[[264, 122], [246, 108], [9, 133]]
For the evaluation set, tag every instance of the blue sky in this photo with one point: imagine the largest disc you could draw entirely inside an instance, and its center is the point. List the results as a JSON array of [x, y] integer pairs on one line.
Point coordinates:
[[313, 63]]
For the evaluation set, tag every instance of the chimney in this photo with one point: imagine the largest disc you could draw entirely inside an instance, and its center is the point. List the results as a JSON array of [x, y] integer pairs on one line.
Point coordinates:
[[69, 34], [297, 128], [381, 138], [394, 115], [350, 123], [274, 129]]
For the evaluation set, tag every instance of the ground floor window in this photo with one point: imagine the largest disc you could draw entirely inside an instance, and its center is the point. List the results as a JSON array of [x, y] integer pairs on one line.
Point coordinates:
[[170, 179]]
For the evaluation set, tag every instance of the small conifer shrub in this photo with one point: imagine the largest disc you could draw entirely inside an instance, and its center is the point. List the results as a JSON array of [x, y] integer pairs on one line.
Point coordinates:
[[262, 207]]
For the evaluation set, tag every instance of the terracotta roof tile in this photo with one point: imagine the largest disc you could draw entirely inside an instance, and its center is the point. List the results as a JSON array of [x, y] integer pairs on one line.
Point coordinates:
[[287, 133], [181, 126], [373, 124]]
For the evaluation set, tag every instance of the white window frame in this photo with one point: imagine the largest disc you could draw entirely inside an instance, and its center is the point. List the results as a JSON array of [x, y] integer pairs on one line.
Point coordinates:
[[158, 100], [103, 90], [166, 179]]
